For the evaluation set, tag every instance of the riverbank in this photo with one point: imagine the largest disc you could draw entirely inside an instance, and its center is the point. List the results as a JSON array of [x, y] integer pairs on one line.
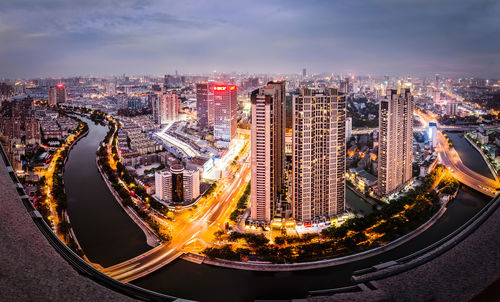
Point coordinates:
[[485, 158], [256, 266], [151, 238]]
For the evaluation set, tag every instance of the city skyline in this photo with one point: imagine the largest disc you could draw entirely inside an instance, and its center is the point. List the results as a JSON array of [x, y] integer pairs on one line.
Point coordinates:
[[453, 38]]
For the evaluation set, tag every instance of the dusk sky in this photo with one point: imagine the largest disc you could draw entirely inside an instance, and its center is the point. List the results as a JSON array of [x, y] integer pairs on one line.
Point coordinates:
[[95, 37]]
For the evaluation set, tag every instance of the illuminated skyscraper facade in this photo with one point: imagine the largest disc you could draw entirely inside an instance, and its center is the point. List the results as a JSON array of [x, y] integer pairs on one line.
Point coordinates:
[[319, 142], [204, 104], [225, 113], [268, 147], [57, 94], [395, 153]]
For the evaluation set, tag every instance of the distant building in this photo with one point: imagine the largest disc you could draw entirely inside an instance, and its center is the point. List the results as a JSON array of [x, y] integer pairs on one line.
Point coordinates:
[[268, 150], [319, 162], [433, 134], [225, 113], [57, 95], [437, 97], [204, 104], [170, 106], [348, 128], [110, 89], [344, 86], [452, 109], [395, 153], [304, 72]]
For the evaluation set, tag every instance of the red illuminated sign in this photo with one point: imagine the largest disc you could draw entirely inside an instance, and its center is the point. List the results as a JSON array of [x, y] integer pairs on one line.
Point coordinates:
[[233, 87], [220, 88], [60, 85]]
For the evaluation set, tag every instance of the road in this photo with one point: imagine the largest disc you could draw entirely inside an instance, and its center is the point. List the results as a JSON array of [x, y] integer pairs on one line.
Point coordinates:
[[450, 158], [207, 218]]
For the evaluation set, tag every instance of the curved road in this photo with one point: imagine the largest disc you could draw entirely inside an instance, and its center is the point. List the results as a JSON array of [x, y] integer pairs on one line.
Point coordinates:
[[203, 223]]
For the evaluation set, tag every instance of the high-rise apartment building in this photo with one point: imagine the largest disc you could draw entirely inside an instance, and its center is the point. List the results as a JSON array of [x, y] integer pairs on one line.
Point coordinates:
[[57, 95], [319, 164], [166, 108], [205, 104], [268, 150], [177, 184], [225, 113], [191, 183], [163, 185], [395, 153], [452, 109]]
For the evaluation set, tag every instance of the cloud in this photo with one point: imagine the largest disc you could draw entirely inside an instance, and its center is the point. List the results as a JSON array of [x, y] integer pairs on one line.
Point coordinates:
[[61, 38]]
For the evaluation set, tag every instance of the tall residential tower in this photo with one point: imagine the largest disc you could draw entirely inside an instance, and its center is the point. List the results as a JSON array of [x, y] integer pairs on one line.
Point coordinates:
[[319, 142], [268, 148], [395, 152]]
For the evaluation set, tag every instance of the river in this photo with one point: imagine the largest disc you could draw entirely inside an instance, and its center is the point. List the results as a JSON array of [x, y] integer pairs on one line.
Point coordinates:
[[469, 155], [108, 236]]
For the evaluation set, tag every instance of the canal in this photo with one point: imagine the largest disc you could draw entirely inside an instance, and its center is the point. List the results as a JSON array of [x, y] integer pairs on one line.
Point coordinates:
[[108, 236], [103, 229], [469, 155]]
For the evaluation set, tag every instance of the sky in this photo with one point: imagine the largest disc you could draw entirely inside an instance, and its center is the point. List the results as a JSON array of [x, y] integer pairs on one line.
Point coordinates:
[[53, 38]]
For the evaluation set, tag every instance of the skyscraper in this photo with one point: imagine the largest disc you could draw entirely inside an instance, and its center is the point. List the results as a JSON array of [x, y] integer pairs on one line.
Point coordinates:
[[225, 113], [395, 153], [268, 147], [57, 95], [319, 164], [304, 72], [204, 104]]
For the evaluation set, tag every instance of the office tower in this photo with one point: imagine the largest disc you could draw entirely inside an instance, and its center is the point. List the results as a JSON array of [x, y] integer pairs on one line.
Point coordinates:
[[437, 97], [191, 179], [204, 104], [348, 128], [452, 109], [225, 113], [304, 72], [395, 153], [57, 95], [318, 161], [433, 134], [268, 147]]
